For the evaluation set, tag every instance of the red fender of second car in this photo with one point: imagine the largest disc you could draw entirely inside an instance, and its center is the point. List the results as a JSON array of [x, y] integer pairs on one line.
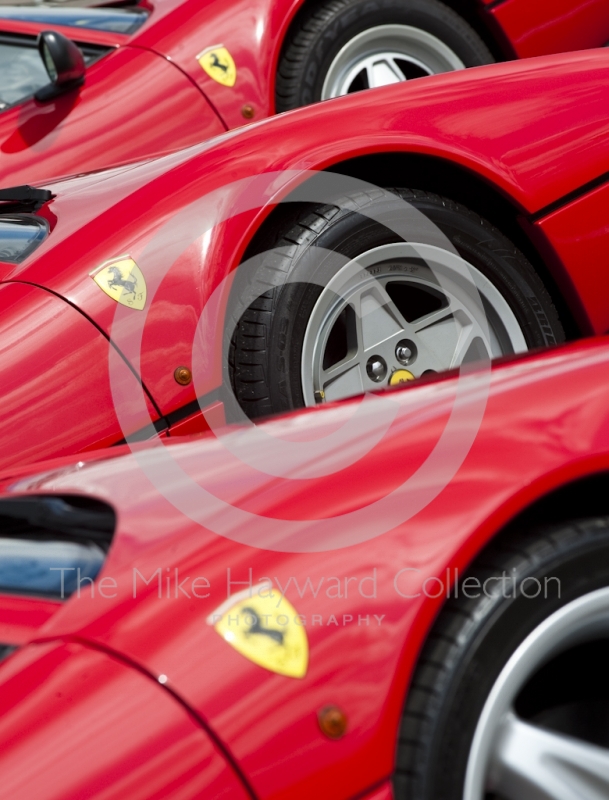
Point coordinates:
[[356, 662], [157, 211]]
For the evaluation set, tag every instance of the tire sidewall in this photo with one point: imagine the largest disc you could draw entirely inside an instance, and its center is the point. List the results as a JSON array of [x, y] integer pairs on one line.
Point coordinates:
[[352, 234], [362, 15], [502, 625]]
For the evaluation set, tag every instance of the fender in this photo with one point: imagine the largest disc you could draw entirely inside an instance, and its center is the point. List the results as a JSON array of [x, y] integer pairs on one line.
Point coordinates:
[[264, 718]]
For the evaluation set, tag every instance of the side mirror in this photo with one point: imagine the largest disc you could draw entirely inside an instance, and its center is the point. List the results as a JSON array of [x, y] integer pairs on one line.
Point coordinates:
[[63, 61]]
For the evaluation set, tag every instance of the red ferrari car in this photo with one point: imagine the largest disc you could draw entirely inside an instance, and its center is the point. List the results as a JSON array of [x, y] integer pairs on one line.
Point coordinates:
[[114, 291], [429, 619], [167, 73]]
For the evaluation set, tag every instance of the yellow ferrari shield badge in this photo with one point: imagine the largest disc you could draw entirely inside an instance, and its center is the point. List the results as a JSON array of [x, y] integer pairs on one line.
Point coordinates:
[[122, 280], [219, 65], [265, 628]]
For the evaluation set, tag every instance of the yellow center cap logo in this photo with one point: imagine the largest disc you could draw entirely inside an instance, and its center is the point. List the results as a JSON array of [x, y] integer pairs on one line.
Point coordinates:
[[122, 280], [219, 65], [400, 376], [266, 629]]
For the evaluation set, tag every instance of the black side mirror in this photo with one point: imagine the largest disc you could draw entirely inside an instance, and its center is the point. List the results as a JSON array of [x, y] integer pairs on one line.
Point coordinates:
[[63, 61]]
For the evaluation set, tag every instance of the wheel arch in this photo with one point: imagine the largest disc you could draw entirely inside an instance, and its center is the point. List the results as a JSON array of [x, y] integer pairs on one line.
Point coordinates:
[[446, 178], [471, 11], [585, 496], [462, 185], [568, 499], [575, 498]]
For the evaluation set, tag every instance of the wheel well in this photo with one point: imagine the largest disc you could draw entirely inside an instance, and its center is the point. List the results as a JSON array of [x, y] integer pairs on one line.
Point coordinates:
[[414, 171], [465, 8], [584, 497], [445, 178], [479, 21]]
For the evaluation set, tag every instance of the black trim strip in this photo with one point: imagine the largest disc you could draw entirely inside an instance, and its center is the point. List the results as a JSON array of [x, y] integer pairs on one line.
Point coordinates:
[[166, 422], [570, 197], [491, 6], [25, 195], [6, 650], [145, 433], [191, 408]]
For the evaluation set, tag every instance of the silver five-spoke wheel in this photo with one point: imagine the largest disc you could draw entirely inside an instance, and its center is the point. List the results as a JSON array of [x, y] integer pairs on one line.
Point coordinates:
[[384, 55], [410, 310]]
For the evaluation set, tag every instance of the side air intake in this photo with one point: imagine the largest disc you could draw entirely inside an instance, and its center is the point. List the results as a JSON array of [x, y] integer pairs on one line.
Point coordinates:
[[48, 544]]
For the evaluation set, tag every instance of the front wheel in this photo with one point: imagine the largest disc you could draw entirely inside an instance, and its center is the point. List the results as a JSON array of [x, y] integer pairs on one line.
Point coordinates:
[[345, 306]]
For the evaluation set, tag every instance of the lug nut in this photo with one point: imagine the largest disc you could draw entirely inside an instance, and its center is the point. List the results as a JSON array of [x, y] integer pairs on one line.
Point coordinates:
[[376, 369], [405, 352]]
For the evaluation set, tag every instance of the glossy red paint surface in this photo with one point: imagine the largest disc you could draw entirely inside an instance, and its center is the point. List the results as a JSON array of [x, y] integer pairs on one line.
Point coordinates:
[[56, 396], [553, 26], [579, 235], [159, 212], [87, 130], [252, 30], [167, 106], [539, 432], [167, 215], [22, 616], [76, 722]]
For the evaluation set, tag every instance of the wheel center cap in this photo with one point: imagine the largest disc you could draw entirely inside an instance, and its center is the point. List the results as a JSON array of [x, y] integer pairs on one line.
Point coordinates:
[[400, 376]]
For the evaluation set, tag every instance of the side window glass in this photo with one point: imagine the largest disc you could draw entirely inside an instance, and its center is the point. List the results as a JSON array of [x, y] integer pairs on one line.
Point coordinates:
[[22, 72]]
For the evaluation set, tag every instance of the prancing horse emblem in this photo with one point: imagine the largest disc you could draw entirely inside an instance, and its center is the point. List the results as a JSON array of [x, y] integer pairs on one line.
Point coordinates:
[[129, 284], [263, 626], [219, 65], [257, 627], [123, 281]]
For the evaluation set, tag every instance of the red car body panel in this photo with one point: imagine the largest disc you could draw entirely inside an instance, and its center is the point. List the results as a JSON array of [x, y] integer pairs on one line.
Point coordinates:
[[44, 140], [578, 233], [252, 30], [63, 737], [552, 26], [23, 616], [522, 152], [167, 103], [537, 160], [52, 404], [267, 722]]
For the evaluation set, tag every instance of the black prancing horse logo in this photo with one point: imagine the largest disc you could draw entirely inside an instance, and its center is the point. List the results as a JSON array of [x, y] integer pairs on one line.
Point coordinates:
[[129, 283], [217, 64], [256, 627]]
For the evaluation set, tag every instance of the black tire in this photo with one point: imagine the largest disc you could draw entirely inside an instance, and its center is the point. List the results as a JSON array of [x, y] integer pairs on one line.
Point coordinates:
[[266, 346], [473, 639], [323, 29]]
